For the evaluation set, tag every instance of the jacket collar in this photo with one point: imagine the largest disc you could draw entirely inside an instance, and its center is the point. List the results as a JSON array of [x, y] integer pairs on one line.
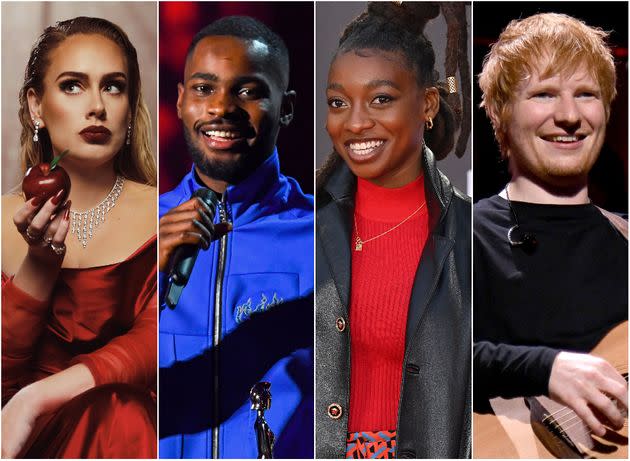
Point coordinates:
[[342, 187], [334, 229], [260, 194], [439, 192]]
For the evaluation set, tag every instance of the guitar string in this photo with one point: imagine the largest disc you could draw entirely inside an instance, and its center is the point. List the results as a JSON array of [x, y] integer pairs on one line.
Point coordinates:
[[559, 418], [558, 414], [586, 429], [579, 423], [621, 368], [625, 423]]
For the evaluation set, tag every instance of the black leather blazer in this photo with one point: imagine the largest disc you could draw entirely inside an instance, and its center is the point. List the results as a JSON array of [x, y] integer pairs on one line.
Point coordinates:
[[434, 415]]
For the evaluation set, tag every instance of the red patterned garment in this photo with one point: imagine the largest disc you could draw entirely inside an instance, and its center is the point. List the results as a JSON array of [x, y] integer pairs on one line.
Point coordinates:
[[371, 445]]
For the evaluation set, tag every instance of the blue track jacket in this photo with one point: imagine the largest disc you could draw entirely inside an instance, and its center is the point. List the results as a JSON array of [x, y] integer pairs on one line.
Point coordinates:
[[261, 277]]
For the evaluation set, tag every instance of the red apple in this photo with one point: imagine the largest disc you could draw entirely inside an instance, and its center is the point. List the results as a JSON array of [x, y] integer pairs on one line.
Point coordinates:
[[45, 180]]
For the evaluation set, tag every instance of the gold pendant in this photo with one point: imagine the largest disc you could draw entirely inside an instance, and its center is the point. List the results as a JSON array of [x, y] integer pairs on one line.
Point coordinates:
[[358, 245]]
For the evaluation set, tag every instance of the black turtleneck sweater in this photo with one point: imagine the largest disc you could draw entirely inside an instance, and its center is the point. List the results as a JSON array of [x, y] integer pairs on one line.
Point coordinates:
[[565, 295]]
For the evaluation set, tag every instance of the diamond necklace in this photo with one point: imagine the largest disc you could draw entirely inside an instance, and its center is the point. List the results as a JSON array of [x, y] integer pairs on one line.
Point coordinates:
[[358, 242], [84, 223]]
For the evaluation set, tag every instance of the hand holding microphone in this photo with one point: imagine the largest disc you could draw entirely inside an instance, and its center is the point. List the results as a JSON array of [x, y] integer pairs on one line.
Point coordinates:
[[184, 230]]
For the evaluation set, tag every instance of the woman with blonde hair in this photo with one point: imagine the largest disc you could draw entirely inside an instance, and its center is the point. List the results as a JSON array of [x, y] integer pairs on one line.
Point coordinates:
[[79, 275]]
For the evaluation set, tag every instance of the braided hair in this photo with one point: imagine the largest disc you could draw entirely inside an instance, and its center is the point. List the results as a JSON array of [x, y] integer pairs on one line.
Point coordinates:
[[399, 27]]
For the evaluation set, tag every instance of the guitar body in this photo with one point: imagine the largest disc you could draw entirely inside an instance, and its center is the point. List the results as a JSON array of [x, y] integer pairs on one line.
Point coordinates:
[[526, 428]]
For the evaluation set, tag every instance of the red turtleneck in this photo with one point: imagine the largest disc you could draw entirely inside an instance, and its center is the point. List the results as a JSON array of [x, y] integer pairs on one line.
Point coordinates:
[[382, 278]]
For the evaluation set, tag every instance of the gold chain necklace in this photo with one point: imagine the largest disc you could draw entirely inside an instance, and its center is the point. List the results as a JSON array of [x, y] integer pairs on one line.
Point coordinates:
[[358, 242]]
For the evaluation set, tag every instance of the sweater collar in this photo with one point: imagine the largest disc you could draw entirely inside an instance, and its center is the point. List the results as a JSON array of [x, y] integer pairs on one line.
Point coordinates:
[[260, 194], [384, 204], [342, 187]]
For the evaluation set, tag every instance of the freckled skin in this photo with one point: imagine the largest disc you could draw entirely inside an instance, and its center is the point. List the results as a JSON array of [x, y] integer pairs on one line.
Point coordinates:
[[563, 106]]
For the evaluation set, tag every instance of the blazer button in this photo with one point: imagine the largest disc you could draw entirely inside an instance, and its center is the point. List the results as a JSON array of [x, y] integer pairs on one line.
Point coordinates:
[[341, 324], [334, 410]]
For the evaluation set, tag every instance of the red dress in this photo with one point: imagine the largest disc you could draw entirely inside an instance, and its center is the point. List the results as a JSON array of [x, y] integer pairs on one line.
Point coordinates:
[[106, 318]]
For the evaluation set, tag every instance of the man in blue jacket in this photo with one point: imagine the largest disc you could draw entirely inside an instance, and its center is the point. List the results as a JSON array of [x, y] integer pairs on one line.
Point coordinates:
[[246, 313]]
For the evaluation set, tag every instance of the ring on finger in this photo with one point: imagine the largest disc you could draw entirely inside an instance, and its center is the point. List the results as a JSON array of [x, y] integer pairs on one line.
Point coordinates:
[[31, 237], [48, 239], [58, 249]]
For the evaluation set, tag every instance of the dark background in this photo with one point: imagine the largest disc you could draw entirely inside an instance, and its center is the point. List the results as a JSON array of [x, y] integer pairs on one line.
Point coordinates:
[[609, 178], [293, 21]]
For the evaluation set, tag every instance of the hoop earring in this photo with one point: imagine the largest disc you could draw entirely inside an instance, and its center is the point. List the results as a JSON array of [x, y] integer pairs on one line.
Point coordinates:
[[128, 142], [36, 135], [428, 124]]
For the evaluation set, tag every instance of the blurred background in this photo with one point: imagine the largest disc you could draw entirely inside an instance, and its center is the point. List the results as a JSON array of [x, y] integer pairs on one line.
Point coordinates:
[[332, 18], [293, 22], [608, 186], [23, 22]]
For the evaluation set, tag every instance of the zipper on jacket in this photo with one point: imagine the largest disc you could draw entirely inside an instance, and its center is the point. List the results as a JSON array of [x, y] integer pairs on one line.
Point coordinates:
[[216, 336]]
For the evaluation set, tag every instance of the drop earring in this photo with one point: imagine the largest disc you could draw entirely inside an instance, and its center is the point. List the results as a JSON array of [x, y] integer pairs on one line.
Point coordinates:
[[128, 142], [36, 134]]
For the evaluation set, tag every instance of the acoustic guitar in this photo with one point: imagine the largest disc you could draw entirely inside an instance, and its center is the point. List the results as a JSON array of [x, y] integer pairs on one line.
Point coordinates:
[[538, 427]]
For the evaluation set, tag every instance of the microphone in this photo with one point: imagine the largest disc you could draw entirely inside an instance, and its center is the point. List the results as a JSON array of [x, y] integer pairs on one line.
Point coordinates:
[[184, 256], [526, 240]]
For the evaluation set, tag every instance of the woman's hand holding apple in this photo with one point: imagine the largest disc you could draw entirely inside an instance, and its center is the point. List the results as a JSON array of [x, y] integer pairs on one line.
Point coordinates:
[[44, 219]]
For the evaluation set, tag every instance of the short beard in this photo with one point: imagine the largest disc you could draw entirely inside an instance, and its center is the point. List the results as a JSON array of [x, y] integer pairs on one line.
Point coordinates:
[[557, 179], [229, 171]]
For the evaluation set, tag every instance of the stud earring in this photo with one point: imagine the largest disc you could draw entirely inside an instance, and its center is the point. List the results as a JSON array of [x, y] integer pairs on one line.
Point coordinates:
[[128, 142], [36, 135], [428, 123]]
